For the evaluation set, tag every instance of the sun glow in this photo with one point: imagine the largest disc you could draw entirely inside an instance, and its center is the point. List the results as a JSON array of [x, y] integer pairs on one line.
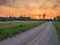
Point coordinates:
[[37, 17], [31, 8]]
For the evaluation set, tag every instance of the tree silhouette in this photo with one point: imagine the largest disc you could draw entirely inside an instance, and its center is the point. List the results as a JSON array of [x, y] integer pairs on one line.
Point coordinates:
[[58, 18], [54, 18], [44, 15]]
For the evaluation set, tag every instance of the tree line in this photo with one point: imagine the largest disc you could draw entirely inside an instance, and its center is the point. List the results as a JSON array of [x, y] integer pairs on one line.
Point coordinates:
[[57, 18], [11, 18]]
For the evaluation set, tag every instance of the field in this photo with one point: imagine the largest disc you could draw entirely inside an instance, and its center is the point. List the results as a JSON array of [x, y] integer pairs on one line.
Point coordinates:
[[57, 24], [12, 28]]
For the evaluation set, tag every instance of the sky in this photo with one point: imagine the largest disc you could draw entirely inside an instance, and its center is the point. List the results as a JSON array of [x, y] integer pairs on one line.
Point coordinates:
[[32, 8]]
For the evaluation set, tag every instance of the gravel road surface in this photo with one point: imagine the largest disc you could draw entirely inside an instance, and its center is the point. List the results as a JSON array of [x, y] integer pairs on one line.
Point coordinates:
[[44, 34]]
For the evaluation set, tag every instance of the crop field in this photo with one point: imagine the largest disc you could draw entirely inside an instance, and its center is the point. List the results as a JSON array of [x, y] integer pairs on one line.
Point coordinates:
[[12, 28], [57, 25]]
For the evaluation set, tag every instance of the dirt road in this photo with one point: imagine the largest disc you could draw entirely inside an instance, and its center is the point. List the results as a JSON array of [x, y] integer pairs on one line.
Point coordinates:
[[44, 34]]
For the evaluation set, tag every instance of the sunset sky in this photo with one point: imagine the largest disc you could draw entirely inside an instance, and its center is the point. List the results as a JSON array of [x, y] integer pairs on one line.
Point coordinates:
[[30, 8]]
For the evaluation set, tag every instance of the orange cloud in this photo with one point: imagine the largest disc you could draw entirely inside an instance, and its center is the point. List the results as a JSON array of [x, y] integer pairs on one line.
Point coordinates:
[[32, 12]]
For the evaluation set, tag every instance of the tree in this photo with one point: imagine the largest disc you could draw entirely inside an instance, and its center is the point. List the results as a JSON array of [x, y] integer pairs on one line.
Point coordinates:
[[54, 19], [58, 18], [44, 15]]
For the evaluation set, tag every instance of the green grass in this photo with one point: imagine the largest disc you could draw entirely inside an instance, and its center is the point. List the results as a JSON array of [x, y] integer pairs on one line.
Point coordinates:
[[12, 28], [57, 25]]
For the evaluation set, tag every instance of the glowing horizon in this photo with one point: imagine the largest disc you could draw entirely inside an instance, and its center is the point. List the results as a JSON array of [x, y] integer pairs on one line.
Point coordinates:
[[31, 8]]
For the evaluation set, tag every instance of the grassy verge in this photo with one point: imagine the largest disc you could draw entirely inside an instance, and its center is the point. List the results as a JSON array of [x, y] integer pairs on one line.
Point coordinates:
[[12, 28], [57, 25]]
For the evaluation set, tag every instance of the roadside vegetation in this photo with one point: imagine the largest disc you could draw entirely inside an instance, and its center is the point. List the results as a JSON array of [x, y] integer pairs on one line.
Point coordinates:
[[12, 28], [57, 25]]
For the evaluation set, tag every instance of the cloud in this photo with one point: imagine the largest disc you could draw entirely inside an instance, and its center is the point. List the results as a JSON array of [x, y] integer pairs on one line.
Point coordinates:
[[2, 2], [31, 3], [58, 1], [55, 6]]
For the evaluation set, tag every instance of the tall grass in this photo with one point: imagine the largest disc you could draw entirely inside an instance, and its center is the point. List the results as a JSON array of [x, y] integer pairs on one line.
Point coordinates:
[[12, 28], [57, 25]]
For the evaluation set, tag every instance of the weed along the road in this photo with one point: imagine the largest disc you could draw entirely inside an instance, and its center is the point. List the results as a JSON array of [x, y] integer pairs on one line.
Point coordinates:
[[21, 25], [57, 25], [8, 29]]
